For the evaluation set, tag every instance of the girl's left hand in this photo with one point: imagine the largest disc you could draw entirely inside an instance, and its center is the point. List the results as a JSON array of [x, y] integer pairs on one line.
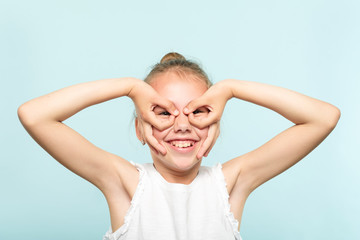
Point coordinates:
[[213, 134], [214, 99]]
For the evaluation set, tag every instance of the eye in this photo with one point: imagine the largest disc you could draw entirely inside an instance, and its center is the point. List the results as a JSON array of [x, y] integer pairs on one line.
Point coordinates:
[[201, 110], [165, 113], [159, 111]]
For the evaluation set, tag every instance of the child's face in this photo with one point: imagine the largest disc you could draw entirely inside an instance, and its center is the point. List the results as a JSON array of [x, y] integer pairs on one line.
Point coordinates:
[[182, 140]]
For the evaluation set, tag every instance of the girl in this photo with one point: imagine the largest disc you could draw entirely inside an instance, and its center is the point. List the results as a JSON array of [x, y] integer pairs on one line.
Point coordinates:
[[178, 113]]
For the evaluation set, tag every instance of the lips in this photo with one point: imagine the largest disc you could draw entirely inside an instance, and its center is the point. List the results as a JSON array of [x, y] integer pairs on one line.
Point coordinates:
[[182, 145]]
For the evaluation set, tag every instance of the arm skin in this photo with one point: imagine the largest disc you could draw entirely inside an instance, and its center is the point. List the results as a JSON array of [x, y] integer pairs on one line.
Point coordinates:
[[42, 117], [313, 119]]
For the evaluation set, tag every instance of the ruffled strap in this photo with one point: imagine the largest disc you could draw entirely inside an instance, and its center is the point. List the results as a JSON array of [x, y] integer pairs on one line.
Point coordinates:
[[221, 183], [109, 235]]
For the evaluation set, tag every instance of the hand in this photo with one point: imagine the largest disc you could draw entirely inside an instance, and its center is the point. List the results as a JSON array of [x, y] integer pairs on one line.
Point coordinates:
[[213, 134], [146, 99], [214, 99], [148, 137]]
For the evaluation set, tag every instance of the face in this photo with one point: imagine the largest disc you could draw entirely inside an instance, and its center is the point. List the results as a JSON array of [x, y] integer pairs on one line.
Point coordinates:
[[182, 140]]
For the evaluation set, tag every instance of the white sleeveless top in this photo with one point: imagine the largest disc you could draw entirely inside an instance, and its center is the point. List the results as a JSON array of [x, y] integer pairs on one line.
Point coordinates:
[[161, 210]]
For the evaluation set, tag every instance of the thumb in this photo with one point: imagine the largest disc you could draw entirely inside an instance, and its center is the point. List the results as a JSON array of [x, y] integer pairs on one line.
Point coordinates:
[[195, 104], [202, 122]]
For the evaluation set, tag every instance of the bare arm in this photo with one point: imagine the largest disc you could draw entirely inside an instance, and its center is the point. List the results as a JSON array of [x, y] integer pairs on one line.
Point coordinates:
[[42, 117], [313, 119]]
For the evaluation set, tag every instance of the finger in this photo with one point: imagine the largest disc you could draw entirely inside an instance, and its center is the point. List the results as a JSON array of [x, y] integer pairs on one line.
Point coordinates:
[[153, 149], [203, 121], [160, 123], [154, 120], [209, 149], [195, 104], [166, 123], [151, 140], [168, 105], [209, 141], [213, 142], [144, 141]]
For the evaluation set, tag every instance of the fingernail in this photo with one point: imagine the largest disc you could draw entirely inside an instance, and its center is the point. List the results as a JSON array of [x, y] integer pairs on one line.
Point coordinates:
[[186, 110], [176, 112]]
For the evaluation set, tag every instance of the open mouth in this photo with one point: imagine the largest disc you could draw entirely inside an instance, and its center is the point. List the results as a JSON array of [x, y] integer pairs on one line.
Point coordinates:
[[182, 145]]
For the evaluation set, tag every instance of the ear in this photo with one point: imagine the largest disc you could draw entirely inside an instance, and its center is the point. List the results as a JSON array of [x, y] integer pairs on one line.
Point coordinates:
[[138, 129]]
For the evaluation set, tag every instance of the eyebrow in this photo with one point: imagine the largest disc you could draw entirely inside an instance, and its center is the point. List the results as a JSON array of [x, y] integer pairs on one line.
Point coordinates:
[[159, 109]]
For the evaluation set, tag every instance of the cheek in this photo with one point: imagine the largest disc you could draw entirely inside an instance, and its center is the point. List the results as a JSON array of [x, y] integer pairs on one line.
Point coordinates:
[[202, 133], [159, 135]]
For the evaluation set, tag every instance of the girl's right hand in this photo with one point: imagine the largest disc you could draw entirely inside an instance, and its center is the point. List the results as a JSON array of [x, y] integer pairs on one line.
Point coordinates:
[[146, 99]]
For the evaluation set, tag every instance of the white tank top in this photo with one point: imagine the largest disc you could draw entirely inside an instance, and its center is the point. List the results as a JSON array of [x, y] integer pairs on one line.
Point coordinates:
[[161, 210]]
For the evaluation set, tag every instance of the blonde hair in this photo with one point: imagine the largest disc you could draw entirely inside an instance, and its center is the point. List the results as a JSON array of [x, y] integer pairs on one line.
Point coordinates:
[[177, 63]]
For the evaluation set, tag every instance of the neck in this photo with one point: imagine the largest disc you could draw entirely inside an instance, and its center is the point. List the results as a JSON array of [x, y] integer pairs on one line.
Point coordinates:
[[174, 175]]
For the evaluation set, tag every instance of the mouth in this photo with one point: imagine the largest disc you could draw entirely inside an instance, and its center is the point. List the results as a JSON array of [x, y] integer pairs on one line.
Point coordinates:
[[182, 146]]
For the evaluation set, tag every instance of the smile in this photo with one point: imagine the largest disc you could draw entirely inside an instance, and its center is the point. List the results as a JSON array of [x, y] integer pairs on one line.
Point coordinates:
[[182, 144]]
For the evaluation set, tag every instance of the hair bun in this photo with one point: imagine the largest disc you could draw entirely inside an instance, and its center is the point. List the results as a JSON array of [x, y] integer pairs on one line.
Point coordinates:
[[172, 56]]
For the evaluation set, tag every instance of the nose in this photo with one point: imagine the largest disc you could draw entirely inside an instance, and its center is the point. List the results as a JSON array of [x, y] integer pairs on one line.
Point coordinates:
[[182, 123]]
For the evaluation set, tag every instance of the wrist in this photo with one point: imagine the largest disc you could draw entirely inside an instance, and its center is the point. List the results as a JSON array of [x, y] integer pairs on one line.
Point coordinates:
[[226, 87], [133, 84]]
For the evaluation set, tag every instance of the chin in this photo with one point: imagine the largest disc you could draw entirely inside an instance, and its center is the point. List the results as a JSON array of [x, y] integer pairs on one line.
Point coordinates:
[[183, 158], [184, 163], [180, 159]]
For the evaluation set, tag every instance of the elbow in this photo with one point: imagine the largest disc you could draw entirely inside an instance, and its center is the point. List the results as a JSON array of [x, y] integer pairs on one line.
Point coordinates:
[[21, 112], [24, 115], [332, 117]]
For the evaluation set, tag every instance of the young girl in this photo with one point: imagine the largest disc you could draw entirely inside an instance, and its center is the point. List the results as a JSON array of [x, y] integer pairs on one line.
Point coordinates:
[[178, 113]]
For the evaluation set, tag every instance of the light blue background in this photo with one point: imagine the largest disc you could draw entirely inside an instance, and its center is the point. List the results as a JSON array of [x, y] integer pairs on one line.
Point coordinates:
[[309, 46]]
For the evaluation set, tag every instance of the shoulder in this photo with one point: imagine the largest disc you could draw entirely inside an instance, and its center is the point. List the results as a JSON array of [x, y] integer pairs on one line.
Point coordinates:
[[213, 172]]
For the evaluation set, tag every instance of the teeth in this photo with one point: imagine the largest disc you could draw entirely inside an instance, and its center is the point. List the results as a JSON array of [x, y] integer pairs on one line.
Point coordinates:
[[182, 144]]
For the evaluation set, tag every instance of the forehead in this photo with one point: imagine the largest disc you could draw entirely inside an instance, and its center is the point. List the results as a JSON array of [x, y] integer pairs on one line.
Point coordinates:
[[180, 89]]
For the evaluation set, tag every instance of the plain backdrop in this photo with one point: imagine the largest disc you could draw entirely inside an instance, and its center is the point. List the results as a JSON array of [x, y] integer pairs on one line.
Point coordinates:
[[310, 46]]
